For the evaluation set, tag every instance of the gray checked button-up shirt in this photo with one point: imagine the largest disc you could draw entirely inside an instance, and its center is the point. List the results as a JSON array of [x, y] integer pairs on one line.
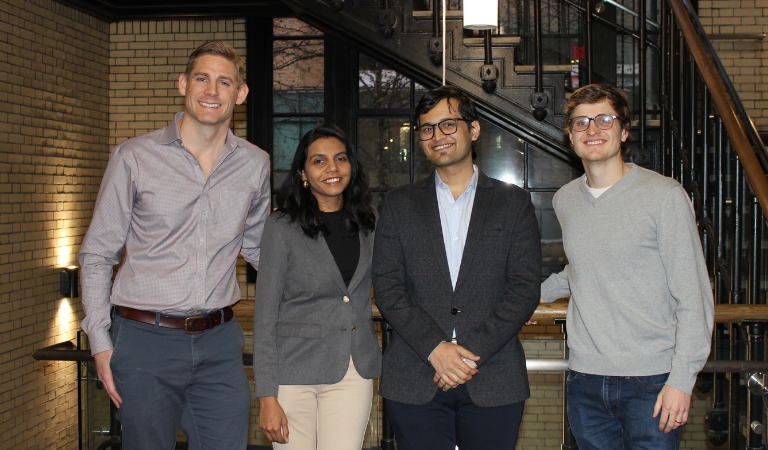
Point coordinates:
[[181, 232]]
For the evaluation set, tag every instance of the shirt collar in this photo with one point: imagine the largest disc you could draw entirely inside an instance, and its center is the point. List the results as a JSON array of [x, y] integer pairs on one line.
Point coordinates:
[[172, 134], [472, 181]]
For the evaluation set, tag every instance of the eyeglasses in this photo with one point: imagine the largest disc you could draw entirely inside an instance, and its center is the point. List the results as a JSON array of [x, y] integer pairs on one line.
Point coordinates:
[[602, 121], [447, 127]]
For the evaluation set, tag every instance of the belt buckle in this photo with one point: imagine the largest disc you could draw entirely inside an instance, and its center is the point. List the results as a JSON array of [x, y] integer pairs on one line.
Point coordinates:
[[193, 318]]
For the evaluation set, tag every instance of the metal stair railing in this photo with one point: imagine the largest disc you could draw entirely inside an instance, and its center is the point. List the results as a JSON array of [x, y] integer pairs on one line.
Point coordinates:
[[708, 143]]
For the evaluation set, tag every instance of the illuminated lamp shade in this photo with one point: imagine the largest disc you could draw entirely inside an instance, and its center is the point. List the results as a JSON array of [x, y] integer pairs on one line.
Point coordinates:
[[481, 14], [68, 279]]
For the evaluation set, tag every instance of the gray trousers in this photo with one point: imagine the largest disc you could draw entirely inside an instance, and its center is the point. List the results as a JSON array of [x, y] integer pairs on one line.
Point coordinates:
[[168, 378]]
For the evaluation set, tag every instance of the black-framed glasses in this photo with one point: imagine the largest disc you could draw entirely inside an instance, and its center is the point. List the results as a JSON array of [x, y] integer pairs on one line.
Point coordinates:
[[447, 127], [602, 121]]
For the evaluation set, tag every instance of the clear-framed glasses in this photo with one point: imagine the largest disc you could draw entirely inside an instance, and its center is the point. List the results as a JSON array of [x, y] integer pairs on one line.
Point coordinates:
[[447, 126], [602, 121]]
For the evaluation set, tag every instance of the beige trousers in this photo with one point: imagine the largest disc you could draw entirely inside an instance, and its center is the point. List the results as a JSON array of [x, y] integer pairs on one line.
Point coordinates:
[[327, 416]]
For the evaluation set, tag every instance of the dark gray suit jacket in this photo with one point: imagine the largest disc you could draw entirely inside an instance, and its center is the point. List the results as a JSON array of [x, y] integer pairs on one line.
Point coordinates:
[[496, 292], [303, 329]]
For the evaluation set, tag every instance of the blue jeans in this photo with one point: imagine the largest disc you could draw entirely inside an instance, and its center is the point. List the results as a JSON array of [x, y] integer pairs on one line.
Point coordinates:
[[452, 419], [608, 413], [168, 378]]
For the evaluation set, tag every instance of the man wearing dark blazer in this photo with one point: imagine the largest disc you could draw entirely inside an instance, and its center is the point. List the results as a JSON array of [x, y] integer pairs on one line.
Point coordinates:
[[456, 272]]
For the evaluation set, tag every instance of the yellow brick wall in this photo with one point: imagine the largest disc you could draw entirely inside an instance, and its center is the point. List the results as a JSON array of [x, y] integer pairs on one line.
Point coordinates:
[[745, 60], [54, 93], [146, 59]]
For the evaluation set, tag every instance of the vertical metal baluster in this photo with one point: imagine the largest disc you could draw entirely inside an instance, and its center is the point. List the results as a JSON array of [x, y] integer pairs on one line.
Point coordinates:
[[717, 416], [664, 84], [387, 434], [569, 442], [588, 51], [642, 76], [755, 405]]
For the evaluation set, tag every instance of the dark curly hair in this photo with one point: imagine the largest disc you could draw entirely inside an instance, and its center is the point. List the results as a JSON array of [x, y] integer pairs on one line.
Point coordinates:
[[301, 205]]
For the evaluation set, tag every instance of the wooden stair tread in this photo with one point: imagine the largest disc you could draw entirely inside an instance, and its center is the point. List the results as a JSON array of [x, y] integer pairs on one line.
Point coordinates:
[[496, 41], [427, 15], [547, 68]]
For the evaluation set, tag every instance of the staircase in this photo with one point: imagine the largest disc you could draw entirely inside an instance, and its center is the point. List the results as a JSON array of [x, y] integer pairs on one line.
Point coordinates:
[[398, 33]]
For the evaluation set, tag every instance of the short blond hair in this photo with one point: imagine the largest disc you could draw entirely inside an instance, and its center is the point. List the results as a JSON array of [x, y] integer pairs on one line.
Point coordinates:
[[217, 48]]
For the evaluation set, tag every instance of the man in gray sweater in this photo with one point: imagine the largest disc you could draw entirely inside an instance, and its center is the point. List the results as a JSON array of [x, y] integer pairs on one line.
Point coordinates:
[[641, 310]]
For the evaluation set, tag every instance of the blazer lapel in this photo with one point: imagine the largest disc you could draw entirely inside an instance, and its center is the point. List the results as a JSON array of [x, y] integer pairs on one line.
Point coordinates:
[[434, 227], [480, 209], [366, 251], [324, 258]]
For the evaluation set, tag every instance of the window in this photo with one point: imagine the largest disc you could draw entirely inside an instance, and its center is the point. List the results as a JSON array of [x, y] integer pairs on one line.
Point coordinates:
[[298, 80]]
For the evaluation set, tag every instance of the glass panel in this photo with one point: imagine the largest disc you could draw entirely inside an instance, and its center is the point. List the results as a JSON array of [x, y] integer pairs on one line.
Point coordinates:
[[546, 171], [418, 92], [298, 76], [423, 167], [384, 148], [290, 26], [552, 254], [500, 154], [382, 87], [286, 134]]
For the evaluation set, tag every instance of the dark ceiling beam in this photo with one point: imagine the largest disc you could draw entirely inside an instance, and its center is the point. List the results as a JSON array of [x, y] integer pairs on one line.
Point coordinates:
[[116, 10]]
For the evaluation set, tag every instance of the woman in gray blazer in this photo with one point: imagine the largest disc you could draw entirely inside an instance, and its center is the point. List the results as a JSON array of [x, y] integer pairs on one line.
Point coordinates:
[[315, 352]]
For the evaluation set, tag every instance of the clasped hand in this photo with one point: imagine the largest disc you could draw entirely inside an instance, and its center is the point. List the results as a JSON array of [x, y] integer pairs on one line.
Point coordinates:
[[453, 364]]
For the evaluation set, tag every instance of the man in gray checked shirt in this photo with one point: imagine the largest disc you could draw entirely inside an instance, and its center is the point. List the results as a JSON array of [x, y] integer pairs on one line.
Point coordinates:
[[182, 201]]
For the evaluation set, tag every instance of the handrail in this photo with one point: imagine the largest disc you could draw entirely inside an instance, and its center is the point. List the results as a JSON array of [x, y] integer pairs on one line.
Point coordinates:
[[549, 312], [725, 103], [725, 313], [636, 36], [752, 133], [631, 12], [711, 366]]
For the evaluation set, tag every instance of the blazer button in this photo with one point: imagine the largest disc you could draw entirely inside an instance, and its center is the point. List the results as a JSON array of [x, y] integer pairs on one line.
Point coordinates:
[[346, 299], [454, 311], [354, 328]]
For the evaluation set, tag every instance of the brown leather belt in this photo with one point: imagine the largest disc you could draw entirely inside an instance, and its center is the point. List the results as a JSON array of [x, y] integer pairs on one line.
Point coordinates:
[[192, 324]]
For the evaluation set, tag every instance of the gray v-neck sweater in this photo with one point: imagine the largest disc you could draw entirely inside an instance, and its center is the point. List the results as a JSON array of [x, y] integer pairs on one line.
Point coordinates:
[[641, 300]]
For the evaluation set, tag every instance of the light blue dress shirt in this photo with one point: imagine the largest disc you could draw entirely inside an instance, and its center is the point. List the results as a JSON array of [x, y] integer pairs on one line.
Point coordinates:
[[454, 218]]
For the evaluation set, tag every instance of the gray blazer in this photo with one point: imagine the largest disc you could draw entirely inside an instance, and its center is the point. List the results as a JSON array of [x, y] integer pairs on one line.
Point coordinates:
[[306, 322], [496, 292]]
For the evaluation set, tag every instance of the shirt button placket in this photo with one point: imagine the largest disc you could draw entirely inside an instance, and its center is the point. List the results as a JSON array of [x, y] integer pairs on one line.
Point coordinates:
[[202, 254]]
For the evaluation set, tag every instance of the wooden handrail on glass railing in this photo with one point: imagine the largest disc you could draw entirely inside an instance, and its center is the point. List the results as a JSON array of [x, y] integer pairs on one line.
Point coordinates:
[[548, 312], [732, 121]]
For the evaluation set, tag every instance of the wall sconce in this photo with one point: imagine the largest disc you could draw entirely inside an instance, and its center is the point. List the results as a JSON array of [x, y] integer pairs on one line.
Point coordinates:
[[68, 280], [481, 14]]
